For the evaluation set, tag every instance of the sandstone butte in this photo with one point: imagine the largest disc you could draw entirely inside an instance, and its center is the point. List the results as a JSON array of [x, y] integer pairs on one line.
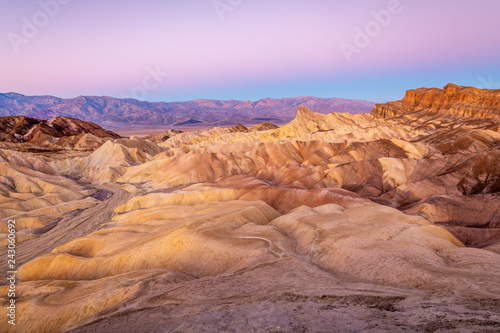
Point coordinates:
[[388, 221], [453, 99]]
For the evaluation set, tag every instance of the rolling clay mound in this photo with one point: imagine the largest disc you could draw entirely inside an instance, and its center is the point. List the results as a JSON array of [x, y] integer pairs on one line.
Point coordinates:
[[36, 197], [162, 137], [109, 161], [265, 126], [222, 239]]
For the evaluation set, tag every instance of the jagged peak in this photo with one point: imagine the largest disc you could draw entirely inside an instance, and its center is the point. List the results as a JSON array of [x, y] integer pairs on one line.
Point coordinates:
[[451, 88], [305, 114]]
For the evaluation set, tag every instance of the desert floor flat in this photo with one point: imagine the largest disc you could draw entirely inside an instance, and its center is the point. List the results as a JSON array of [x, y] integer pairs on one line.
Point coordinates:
[[387, 221]]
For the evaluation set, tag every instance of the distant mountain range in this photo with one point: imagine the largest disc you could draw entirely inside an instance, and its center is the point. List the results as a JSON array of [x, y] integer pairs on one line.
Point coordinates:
[[107, 111]]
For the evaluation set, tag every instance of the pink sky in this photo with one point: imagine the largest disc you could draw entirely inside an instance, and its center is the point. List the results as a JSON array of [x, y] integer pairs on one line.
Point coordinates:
[[260, 48]]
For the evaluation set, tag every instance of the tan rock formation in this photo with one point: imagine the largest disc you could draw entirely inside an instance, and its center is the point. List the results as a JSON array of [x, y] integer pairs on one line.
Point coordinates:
[[451, 100]]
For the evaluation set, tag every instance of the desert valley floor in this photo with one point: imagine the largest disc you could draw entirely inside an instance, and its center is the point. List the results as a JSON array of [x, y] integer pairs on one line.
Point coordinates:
[[388, 221]]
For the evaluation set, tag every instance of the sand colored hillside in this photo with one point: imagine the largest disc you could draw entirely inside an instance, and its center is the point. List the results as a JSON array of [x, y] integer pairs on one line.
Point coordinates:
[[179, 241], [109, 161], [397, 162], [35, 196], [334, 222]]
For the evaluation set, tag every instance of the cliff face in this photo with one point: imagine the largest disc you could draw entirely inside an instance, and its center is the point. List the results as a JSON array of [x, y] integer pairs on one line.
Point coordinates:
[[452, 99]]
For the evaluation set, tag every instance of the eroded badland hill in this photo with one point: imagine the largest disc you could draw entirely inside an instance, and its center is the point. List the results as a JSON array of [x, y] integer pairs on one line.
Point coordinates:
[[333, 222]]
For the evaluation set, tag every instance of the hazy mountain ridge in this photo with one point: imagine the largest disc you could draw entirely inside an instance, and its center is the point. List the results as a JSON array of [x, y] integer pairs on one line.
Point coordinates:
[[103, 110]]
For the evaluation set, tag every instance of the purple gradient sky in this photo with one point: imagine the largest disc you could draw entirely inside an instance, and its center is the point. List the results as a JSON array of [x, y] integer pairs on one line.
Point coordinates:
[[262, 48]]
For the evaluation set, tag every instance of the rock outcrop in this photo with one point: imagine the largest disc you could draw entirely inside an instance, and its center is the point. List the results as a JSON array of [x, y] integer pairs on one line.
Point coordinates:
[[464, 102], [64, 132]]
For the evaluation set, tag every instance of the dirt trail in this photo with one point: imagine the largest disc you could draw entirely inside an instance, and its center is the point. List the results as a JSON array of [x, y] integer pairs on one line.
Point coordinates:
[[75, 225]]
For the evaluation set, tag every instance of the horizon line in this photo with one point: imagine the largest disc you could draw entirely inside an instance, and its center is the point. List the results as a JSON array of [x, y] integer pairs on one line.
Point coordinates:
[[184, 101]]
